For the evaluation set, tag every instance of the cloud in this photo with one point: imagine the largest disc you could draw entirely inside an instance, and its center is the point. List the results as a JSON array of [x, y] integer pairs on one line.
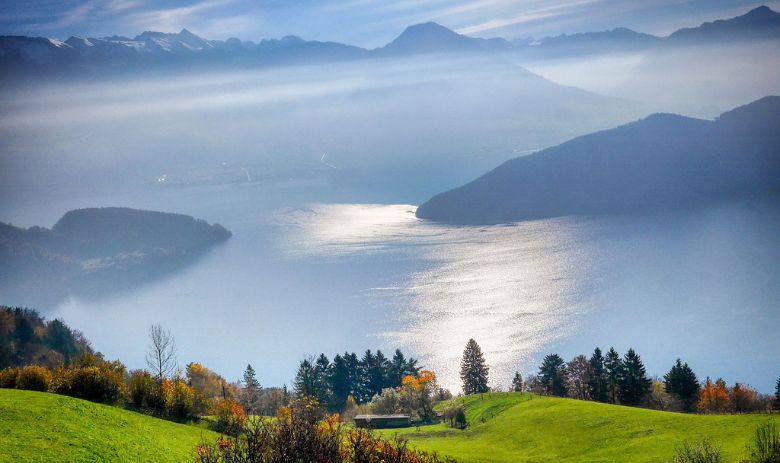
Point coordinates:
[[528, 16], [177, 18]]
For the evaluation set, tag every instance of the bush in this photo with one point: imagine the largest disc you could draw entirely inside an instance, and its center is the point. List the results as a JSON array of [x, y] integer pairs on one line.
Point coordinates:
[[261, 441], [766, 444], [455, 416], [230, 416], [142, 388], [702, 453], [34, 378], [8, 378], [180, 400], [96, 384]]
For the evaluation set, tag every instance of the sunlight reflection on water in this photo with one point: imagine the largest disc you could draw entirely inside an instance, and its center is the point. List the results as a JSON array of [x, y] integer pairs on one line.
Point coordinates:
[[513, 288]]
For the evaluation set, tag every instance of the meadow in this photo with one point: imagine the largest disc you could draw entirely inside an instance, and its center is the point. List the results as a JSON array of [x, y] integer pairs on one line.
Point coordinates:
[[520, 427]]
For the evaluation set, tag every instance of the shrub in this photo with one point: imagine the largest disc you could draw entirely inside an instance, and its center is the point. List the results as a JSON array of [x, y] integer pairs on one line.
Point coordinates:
[[702, 453], [455, 416], [275, 441], [766, 444], [142, 388], [34, 378], [8, 377], [230, 416], [97, 384], [180, 400]]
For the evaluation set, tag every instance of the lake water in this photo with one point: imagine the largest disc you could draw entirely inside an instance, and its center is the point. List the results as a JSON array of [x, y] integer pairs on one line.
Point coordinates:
[[308, 270]]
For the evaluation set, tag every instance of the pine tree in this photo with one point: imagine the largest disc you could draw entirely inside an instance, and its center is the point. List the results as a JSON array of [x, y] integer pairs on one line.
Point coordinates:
[[397, 369], [635, 384], [323, 371], [597, 385], [305, 384], [517, 382], [250, 379], [613, 370], [339, 384], [552, 375], [777, 395], [250, 396], [681, 383], [354, 375], [473, 369]]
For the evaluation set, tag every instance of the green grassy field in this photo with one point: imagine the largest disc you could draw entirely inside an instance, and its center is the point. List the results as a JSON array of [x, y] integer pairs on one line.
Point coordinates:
[[519, 428], [40, 427]]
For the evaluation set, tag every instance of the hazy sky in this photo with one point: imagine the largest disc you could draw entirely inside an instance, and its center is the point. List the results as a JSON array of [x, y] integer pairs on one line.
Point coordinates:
[[366, 23]]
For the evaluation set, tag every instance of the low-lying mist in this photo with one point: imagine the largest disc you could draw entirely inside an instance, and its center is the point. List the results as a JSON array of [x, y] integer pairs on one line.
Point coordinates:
[[698, 81]]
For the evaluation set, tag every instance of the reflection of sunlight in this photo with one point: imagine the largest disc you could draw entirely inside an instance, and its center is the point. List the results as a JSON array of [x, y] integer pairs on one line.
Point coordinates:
[[509, 287]]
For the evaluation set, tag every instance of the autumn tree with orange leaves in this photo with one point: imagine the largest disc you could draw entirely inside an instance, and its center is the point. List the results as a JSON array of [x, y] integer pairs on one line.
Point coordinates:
[[714, 397]]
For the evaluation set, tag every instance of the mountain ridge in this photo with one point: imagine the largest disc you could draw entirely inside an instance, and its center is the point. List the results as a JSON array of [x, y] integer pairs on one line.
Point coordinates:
[[152, 47], [660, 162]]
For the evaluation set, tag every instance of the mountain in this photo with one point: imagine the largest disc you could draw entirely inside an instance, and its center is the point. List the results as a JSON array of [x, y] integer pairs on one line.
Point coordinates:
[[662, 162], [616, 40], [89, 250], [435, 38], [159, 49], [761, 23]]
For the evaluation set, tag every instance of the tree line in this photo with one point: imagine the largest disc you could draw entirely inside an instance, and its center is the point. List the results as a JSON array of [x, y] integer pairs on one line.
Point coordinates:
[[332, 383], [623, 380]]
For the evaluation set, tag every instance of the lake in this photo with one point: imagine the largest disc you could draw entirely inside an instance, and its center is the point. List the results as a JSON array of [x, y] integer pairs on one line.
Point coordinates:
[[310, 269]]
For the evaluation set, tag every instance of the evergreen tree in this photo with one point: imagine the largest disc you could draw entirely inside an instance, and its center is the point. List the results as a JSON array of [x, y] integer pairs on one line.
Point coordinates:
[[777, 395], [635, 384], [339, 383], [323, 371], [552, 375], [60, 338], [681, 383], [377, 374], [597, 385], [24, 332], [250, 396], [473, 369], [517, 382], [397, 369], [354, 375], [250, 379], [305, 384], [613, 370], [364, 392]]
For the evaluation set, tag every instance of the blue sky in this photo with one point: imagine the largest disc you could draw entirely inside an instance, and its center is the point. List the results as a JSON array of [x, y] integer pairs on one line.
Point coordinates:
[[367, 23]]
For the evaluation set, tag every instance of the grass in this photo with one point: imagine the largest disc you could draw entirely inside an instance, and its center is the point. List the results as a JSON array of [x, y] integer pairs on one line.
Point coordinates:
[[41, 427], [521, 428]]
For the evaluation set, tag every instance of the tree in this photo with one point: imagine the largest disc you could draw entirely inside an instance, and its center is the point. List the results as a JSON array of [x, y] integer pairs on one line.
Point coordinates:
[[777, 395], [339, 384], [250, 395], [60, 338], [161, 357], [322, 369], [744, 399], [517, 382], [613, 369], [305, 384], [714, 397], [578, 378], [473, 369], [250, 379], [597, 384], [681, 383], [635, 384], [552, 375]]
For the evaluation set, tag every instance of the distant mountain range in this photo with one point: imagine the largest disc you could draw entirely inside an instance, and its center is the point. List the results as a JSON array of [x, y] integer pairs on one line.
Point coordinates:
[[97, 250], [662, 162], [187, 49]]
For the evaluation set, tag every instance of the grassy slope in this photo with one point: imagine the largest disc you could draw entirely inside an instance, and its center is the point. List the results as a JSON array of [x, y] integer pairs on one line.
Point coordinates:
[[519, 428], [40, 427]]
